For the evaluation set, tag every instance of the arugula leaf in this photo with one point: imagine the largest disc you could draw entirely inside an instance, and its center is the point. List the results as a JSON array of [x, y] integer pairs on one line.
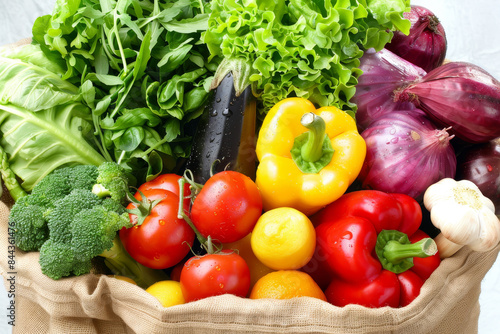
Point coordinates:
[[141, 69]]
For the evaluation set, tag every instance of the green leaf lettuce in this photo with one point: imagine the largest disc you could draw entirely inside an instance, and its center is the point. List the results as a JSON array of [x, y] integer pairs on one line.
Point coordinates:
[[306, 48]]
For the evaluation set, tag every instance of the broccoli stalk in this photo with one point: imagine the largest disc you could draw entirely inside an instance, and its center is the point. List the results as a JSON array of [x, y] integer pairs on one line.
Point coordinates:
[[121, 263]]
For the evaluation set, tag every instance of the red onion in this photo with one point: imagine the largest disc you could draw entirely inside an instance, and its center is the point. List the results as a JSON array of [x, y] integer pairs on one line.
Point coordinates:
[[461, 95], [481, 164], [383, 73], [426, 44], [406, 153]]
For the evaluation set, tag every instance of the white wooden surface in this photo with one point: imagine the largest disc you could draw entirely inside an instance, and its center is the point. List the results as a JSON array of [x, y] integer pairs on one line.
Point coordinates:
[[473, 32]]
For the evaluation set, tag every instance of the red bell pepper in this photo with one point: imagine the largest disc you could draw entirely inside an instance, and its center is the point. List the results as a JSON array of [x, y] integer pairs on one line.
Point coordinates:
[[370, 250]]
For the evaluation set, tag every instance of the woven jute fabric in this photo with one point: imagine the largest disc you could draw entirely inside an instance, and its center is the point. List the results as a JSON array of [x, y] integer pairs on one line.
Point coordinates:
[[448, 303]]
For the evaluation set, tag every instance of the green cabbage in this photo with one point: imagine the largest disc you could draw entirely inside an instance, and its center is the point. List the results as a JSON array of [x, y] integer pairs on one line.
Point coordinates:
[[43, 122]]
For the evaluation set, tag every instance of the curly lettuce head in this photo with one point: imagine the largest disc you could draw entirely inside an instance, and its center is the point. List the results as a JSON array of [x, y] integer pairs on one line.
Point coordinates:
[[305, 48]]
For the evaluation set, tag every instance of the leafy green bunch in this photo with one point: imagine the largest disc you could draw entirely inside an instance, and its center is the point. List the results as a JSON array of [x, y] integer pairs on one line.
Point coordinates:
[[307, 48], [140, 68]]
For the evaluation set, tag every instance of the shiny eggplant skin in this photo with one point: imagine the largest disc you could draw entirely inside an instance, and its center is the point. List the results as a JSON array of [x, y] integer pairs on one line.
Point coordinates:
[[226, 134]]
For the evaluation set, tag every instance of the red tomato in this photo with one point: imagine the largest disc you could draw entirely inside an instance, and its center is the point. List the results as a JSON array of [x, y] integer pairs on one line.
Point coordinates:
[[227, 207], [162, 240], [170, 182], [175, 273], [215, 274]]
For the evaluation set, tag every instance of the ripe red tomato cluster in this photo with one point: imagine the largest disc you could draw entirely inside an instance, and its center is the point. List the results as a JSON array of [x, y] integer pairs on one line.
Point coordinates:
[[225, 210]]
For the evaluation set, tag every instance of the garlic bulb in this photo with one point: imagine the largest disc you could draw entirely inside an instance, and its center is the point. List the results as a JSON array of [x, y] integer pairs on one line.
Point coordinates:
[[464, 216]]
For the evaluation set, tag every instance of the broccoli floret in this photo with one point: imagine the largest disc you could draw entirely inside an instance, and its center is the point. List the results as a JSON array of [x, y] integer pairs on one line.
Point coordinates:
[[94, 229], [71, 225], [50, 189], [30, 213], [60, 217], [30, 227], [112, 181], [94, 233], [56, 259], [112, 205], [79, 176], [62, 181]]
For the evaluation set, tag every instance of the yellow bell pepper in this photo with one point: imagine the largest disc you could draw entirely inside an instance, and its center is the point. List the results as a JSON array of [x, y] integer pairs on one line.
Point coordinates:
[[308, 157]]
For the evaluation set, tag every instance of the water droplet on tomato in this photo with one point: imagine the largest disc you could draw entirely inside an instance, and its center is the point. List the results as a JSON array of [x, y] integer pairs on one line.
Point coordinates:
[[221, 286], [217, 268], [161, 222]]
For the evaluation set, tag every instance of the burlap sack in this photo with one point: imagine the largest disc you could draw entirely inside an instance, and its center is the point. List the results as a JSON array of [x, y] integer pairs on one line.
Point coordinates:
[[448, 303]]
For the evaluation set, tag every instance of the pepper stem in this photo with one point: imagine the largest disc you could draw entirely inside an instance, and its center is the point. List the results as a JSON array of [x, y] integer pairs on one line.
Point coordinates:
[[396, 253], [312, 150]]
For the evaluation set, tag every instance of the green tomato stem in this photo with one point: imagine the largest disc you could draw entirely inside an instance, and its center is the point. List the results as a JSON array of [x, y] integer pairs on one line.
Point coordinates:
[[181, 214]]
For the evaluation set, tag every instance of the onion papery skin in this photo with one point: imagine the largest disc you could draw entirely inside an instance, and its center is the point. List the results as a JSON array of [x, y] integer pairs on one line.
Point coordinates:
[[426, 44], [406, 153], [461, 95], [481, 164], [383, 73]]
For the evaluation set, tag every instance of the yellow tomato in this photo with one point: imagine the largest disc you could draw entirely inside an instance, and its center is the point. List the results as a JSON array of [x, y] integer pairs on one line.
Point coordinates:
[[167, 292], [283, 238]]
